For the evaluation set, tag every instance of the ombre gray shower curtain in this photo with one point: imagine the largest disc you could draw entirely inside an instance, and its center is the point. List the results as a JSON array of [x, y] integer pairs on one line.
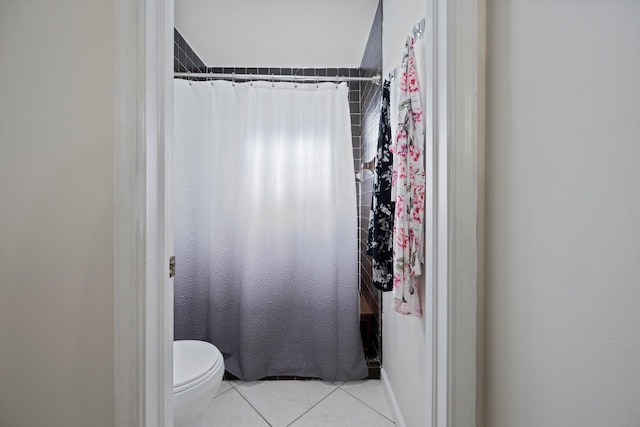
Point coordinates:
[[266, 227]]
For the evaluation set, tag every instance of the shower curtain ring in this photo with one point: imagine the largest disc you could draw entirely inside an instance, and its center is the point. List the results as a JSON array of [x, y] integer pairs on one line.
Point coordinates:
[[233, 78], [189, 77], [273, 84]]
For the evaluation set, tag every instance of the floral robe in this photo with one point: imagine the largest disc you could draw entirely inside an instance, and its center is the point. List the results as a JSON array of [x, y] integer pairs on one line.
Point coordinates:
[[408, 182], [380, 239]]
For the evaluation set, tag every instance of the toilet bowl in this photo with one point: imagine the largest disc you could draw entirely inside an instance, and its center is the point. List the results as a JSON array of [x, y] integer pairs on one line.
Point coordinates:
[[197, 373]]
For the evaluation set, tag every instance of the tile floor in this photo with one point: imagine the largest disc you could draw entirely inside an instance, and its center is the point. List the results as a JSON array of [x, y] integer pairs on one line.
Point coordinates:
[[299, 404]]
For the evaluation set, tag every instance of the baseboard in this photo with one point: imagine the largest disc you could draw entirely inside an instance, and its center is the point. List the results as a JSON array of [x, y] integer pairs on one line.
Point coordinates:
[[391, 398]]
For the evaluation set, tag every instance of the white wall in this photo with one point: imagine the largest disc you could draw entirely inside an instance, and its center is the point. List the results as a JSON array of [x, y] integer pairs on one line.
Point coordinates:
[[56, 222], [403, 338], [398, 19], [563, 214]]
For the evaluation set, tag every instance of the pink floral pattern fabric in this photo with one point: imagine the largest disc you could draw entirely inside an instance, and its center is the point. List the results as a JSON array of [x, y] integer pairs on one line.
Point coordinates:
[[408, 186]]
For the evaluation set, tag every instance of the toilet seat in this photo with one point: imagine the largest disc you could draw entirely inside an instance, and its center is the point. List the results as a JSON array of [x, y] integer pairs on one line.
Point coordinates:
[[194, 362]]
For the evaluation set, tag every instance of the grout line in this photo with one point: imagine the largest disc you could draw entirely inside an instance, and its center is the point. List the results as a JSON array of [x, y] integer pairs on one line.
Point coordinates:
[[224, 392], [254, 408], [365, 403], [317, 403], [233, 385]]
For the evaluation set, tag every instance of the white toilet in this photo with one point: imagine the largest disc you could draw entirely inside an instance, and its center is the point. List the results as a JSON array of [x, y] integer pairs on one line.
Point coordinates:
[[197, 373]]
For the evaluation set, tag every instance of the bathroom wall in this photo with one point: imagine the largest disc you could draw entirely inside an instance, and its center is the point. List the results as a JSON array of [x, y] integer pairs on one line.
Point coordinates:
[[404, 338], [56, 227], [563, 214]]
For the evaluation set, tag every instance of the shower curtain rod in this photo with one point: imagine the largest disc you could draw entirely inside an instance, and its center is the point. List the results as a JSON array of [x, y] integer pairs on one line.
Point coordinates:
[[279, 77]]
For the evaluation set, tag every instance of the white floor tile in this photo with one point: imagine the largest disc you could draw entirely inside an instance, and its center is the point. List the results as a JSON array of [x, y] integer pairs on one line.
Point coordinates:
[[231, 410], [224, 387], [341, 409], [371, 393], [281, 402]]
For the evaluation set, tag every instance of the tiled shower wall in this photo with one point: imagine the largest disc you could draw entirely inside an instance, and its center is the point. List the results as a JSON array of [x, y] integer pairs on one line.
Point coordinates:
[[370, 106], [184, 58]]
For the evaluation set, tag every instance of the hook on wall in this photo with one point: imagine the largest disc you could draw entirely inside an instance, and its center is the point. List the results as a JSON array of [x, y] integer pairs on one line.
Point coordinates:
[[418, 29], [392, 75]]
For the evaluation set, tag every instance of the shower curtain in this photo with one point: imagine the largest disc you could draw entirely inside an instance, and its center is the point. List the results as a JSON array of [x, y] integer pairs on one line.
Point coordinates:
[[265, 227]]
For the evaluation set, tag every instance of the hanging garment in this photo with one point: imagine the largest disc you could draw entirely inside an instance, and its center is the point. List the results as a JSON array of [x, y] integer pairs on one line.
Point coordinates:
[[380, 239], [408, 182], [266, 227]]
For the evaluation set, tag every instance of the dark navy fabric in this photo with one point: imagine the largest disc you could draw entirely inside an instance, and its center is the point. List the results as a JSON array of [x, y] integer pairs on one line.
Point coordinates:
[[380, 241]]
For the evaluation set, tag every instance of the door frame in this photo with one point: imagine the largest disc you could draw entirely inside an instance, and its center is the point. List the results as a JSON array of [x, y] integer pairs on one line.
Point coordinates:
[[143, 291], [455, 336]]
